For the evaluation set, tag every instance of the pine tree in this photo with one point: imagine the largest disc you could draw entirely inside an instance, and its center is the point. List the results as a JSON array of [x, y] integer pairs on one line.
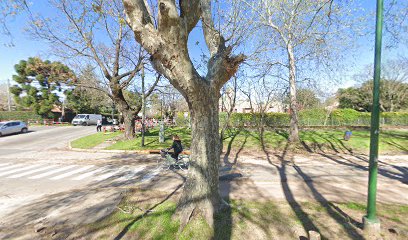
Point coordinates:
[[38, 83]]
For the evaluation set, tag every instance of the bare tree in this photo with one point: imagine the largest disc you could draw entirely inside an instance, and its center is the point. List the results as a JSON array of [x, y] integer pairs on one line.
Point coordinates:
[[87, 99], [396, 22], [166, 42], [261, 94], [228, 101], [299, 31], [4, 98], [95, 32], [8, 10]]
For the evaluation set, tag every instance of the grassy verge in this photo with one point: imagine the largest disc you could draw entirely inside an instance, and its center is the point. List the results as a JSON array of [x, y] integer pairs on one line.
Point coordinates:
[[43, 125], [311, 141], [152, 140], [93, 140], [320, 141], [245, 220]]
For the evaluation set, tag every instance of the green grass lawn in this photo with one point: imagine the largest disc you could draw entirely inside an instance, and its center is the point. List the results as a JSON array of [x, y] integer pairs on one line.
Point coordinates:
[[245, 219], [93, 140], [311, 141], [152, 140], [321, 140]]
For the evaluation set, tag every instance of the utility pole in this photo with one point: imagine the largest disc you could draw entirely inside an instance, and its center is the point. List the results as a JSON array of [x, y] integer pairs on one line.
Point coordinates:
[[371, 223], [161, 132], [143, 106], [8, 95]]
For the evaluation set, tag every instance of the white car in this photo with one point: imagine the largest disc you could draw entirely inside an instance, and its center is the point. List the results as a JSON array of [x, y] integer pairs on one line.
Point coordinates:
[[11, 127], [86, 119]]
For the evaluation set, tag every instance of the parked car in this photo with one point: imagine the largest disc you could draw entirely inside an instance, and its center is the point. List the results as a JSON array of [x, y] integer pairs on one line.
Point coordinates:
[[86, 119], [11, 127]]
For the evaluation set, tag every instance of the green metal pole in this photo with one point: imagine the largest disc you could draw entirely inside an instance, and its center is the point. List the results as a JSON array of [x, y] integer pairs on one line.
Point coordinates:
[[375, 119]]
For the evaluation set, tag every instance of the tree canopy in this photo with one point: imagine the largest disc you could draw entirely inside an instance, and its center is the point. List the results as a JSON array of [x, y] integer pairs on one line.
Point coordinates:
[[38, 83], [393, 96]]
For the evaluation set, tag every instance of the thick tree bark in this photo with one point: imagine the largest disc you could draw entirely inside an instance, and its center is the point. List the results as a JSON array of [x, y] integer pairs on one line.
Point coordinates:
[[128, 114], [167, 45], [129, 122], [294, 122], [201, 191]]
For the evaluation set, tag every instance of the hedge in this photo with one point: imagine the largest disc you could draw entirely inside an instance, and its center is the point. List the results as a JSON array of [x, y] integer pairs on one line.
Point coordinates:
[[316, 117], [19, 115]]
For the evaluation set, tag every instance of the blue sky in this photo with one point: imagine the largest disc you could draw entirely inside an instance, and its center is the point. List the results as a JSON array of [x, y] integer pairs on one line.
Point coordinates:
[[25, 47]]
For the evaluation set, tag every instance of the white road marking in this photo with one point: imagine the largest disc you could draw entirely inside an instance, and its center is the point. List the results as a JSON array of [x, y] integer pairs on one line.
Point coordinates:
[[107, 175], [123, 173], [131, 173], [151, 175], [19, 170], [10, 167], [88, 174], [67, 174], [52, 172], [32, 171]]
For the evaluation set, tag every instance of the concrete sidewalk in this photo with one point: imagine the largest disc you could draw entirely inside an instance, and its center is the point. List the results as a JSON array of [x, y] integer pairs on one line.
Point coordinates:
[[315, 177]]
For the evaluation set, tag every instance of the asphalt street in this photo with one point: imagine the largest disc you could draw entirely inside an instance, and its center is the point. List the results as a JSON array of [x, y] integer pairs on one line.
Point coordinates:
[[41, 180], [43, 183]]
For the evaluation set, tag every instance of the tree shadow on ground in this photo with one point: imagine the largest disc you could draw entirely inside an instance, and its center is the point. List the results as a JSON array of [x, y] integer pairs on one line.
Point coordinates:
[[308, 224], [223, 220], [257, 218], [232, 137], [397, 145], [348, 223], [309, 142], [395, 135], [57, 215], [148, 211], [303, 217], [403, 177]]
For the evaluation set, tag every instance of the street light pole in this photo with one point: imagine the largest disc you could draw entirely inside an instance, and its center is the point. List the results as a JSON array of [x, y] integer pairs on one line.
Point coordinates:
[[371, 223], [143, 106], [8, 95]]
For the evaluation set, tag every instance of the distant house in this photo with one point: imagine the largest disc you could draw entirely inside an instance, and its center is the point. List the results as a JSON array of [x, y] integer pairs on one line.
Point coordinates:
[[62, 114], [244, 106]]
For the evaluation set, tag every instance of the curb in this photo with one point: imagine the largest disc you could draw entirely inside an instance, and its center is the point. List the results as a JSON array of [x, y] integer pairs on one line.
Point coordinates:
[[146, 152], [107, 151]]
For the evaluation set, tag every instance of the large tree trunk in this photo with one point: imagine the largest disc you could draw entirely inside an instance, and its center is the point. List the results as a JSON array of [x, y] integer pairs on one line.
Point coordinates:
[[129, 122], [127, 113], [201, 196], [294, 122]]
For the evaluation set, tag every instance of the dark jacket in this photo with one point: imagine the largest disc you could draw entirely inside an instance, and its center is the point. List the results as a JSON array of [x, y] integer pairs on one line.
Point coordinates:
[[178, 148]]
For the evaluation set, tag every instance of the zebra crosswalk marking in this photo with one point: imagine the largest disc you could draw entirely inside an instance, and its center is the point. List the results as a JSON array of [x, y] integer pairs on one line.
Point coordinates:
[[67, 174], [75, 172], [10, 167], [109, 174], [151, 175], [52, 172], [18, 170], [88, 174], [131, 173], [32, 171]]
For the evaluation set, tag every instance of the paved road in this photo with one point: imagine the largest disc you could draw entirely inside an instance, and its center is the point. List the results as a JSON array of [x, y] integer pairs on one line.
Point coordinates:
[[41, 180], [42, 139]]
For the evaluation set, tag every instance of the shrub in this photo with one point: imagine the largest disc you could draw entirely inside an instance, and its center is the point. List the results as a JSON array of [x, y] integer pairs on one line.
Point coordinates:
[[316, 117], [19, 115]]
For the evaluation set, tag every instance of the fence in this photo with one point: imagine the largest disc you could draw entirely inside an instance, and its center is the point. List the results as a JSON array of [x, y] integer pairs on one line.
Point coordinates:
[[315, 118]]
